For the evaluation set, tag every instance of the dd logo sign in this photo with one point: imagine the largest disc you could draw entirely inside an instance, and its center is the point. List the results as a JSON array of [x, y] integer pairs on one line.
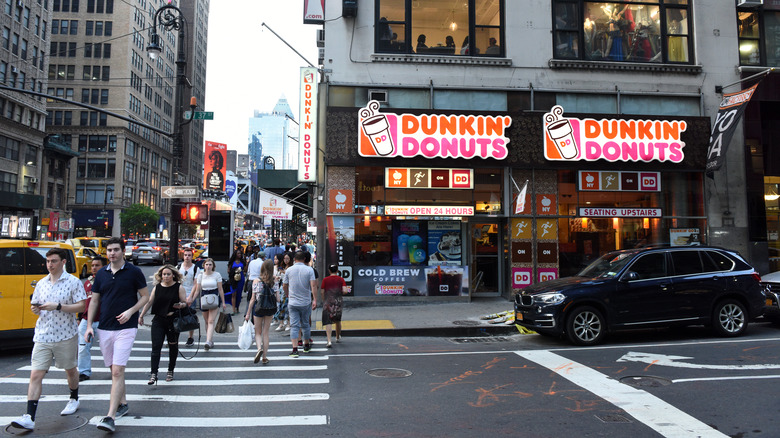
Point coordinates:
[[346, 273]]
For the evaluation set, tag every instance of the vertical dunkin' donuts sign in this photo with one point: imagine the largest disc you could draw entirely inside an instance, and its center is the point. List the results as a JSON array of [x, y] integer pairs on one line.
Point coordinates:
[[431, 135], [572, 139]]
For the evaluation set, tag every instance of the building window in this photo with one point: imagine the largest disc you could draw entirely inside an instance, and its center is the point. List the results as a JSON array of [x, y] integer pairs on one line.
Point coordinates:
[[31, 155], [621, 31], [757, 42], [8, 181], [129, 172], [442, 27]]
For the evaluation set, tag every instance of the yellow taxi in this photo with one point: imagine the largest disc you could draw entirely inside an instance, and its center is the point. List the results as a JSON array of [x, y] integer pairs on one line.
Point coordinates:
[[22, 265], [84, 258], [97, 244]]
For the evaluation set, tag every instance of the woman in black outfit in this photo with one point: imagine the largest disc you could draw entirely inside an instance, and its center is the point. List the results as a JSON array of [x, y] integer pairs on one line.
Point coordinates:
[[167, 296]]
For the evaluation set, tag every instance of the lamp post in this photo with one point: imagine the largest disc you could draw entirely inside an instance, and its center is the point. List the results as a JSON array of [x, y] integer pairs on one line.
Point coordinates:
[[171, 18]]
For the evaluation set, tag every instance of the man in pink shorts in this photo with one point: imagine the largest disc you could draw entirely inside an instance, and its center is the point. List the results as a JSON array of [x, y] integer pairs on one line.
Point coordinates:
[[115, 291]]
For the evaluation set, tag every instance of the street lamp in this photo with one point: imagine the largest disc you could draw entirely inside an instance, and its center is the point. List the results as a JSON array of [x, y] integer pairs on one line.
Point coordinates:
[[171, 18]]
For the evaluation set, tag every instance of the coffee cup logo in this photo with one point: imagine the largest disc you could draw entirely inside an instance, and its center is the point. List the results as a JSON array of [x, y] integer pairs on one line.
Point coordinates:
[[377, 129], [559, 130]]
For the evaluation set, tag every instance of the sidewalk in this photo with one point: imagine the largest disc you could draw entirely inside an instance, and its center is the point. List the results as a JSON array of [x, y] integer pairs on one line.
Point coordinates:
[[420, 318]]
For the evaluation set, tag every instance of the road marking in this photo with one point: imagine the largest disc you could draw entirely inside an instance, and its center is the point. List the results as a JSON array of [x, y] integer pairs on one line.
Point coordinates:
[[705, 379], [645, 407], [209, 422], [177, 398], [236, 350], [184, 370], [191, 382], [668, 360], [223, 358]]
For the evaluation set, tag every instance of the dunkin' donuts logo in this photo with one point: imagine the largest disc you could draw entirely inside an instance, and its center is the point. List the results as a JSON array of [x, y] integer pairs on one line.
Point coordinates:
[[570, 139], [431, 135]]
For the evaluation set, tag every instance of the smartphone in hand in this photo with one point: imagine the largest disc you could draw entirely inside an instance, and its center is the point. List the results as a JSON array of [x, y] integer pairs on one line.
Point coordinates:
[[36, 304]]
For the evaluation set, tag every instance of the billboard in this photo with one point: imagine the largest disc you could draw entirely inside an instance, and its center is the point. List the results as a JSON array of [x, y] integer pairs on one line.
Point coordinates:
[[313, 11], [307, 134], [215, 157]]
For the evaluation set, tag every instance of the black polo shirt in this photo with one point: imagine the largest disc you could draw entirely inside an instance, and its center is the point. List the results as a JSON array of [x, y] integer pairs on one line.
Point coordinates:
[[118, 292]]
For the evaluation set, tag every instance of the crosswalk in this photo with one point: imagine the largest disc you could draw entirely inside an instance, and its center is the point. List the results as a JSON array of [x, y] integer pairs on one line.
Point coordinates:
[[287, 392]]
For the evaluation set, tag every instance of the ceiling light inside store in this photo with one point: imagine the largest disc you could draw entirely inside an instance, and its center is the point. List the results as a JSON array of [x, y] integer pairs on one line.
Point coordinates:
[[771, 192]]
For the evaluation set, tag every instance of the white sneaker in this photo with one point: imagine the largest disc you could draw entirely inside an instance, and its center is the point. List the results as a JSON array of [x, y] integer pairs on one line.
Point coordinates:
[[287, 329], [280, 328], [24, 422], [71, 407]]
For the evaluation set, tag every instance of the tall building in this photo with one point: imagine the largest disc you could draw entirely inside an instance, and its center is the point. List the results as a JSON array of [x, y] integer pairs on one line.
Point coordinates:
[[99, 58], [33, 172], [270, 139], [515, 144]]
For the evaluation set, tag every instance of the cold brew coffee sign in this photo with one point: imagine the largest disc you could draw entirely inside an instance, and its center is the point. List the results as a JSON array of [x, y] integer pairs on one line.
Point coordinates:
[[571, 139], [431, 135]]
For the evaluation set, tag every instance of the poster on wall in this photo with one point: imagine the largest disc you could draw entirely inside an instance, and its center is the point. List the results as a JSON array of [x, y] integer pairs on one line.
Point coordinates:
[[444, 243], [341, 240], [684, 236], [410, 243], [432, 281], [214, 168]]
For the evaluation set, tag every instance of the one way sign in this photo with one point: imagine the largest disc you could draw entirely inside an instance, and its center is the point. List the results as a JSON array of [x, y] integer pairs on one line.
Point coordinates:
[[179, 191]]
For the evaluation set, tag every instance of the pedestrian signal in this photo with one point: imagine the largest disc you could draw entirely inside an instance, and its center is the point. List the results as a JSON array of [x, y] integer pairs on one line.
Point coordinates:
[[192, 213]]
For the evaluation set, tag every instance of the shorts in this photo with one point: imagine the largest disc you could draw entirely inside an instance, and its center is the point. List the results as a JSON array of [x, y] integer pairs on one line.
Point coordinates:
[[116, 345], [64, 353]]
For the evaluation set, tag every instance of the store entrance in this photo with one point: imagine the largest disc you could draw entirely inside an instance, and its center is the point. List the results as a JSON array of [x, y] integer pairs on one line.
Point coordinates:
[[484, 263]]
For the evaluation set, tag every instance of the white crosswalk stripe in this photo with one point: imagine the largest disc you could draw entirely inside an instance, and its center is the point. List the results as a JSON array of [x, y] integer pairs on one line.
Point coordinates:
[[222, 375]]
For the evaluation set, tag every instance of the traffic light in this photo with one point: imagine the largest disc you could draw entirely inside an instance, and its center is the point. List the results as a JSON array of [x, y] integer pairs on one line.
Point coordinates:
[[192, 213]]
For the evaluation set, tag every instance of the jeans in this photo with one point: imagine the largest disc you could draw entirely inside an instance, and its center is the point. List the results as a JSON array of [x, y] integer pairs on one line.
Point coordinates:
[[162, 327], [85, 355], [299, 320]]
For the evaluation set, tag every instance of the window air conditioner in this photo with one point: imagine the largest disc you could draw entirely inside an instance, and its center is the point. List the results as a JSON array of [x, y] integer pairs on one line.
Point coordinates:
[[378, 95], [320, 37], [749, 3], [33, 180]]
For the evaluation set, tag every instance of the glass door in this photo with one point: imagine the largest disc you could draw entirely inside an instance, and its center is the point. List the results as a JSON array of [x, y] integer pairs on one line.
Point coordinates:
[[485, 267]]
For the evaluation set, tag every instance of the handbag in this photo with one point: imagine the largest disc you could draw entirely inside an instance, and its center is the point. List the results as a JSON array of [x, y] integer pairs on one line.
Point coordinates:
[[229, 324], [209, 301], [185, 320], [221, 323], [237, 275]]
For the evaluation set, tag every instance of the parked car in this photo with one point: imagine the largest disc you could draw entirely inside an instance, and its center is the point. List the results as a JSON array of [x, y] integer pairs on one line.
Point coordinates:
[[771, 283], [84, 258], [129, 249], [22, 265], [645, 288], [151, 251]]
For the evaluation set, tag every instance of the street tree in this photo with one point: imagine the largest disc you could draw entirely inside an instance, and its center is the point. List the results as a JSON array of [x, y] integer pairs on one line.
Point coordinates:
[[139, 219]]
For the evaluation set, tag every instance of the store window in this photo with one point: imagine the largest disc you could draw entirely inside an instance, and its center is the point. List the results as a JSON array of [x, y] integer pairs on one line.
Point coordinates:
[[656, 31], [757, 30], [440, 27]]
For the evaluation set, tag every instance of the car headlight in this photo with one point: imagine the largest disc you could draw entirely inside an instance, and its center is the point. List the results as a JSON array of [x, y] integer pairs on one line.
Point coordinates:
[[549, 298]]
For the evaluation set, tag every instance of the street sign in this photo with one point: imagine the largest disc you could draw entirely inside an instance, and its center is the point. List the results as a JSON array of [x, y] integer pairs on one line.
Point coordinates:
[[179, 191], [204, 115]]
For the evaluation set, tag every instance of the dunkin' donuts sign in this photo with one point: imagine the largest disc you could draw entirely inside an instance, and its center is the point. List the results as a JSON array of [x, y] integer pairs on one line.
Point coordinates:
[[431, 135], [570, 139]]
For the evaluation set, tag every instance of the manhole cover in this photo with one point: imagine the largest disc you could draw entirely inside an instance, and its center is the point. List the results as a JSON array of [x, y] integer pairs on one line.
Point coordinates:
[[51, 426], [480, 340], [466, 322], [645, 381], [612, 418], [389, 372]]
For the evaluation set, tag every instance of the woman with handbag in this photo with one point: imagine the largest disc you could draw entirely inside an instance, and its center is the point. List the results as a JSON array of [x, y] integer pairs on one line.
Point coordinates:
[[236, 268], [167, 296], [262, 306], [284, 261], [212, 298]]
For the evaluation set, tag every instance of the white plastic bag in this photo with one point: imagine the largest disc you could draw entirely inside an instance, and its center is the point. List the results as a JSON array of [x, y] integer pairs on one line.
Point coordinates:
[[246, 335]]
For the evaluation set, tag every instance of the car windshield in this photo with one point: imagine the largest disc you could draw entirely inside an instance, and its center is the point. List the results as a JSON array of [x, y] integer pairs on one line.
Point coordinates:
[[608, 265]]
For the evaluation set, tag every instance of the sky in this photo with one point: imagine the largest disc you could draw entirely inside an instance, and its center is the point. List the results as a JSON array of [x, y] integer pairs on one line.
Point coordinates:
[[248, 68]]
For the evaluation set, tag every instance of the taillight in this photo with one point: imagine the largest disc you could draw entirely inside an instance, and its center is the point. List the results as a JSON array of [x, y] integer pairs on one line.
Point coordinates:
[[135, 247], [756, 276], [156, 248]]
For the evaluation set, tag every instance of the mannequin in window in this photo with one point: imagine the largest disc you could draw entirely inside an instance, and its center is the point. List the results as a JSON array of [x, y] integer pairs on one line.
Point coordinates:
[[676, 49], [620, 23]]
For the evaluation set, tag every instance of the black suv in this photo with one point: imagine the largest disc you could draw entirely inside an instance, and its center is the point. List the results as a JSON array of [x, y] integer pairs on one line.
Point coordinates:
[[646, 287]]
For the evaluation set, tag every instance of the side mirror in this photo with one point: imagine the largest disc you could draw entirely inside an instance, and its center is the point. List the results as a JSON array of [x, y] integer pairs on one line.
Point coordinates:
[[630, 276]]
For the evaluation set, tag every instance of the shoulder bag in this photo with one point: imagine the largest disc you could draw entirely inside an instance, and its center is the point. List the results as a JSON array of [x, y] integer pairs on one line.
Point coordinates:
[[185, 320]]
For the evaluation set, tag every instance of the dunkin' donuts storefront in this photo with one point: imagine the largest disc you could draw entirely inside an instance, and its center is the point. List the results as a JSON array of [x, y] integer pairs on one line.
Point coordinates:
[[424, 203]]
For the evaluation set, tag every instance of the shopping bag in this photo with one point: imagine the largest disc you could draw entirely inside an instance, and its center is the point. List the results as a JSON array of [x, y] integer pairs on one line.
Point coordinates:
[[246, 334], [229, 324], [221, 323]]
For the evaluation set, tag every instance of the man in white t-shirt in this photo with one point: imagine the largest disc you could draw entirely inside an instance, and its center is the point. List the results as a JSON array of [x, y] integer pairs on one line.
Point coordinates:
[[56, 300], [299, 282], [189, 272]]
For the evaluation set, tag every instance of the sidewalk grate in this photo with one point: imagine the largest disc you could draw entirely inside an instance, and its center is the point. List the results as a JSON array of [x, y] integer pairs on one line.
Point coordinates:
[[389, 372], [612, 418], [481, 340], [645, 381]]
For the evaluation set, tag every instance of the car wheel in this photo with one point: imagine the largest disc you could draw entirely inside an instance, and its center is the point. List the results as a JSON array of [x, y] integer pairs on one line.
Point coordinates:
[[729, 318], [84, 271], [586, 326]]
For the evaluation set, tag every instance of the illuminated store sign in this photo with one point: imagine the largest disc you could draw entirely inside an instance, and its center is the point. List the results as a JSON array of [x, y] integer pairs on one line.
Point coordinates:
[[431, 135], [608, 181], [620, 212], [423, 178], [570, 139], [307, 134], [426, 210]]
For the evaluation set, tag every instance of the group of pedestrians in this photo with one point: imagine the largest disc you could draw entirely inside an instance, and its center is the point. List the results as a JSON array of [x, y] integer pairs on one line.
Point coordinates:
[[114, 300]]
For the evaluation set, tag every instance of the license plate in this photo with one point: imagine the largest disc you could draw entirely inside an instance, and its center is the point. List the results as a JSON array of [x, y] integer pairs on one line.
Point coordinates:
[[145, 252], [769, 302], [518, 316]]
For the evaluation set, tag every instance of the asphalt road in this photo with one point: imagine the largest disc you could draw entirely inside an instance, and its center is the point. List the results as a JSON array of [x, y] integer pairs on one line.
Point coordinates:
[[665, 383]]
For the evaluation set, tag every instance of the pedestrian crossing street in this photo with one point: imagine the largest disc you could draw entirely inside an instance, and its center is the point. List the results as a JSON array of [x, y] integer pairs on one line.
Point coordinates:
[[219, 388]]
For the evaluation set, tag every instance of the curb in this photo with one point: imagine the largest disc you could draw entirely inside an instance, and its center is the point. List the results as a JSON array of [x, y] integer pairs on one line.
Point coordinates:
[[451, 331]]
